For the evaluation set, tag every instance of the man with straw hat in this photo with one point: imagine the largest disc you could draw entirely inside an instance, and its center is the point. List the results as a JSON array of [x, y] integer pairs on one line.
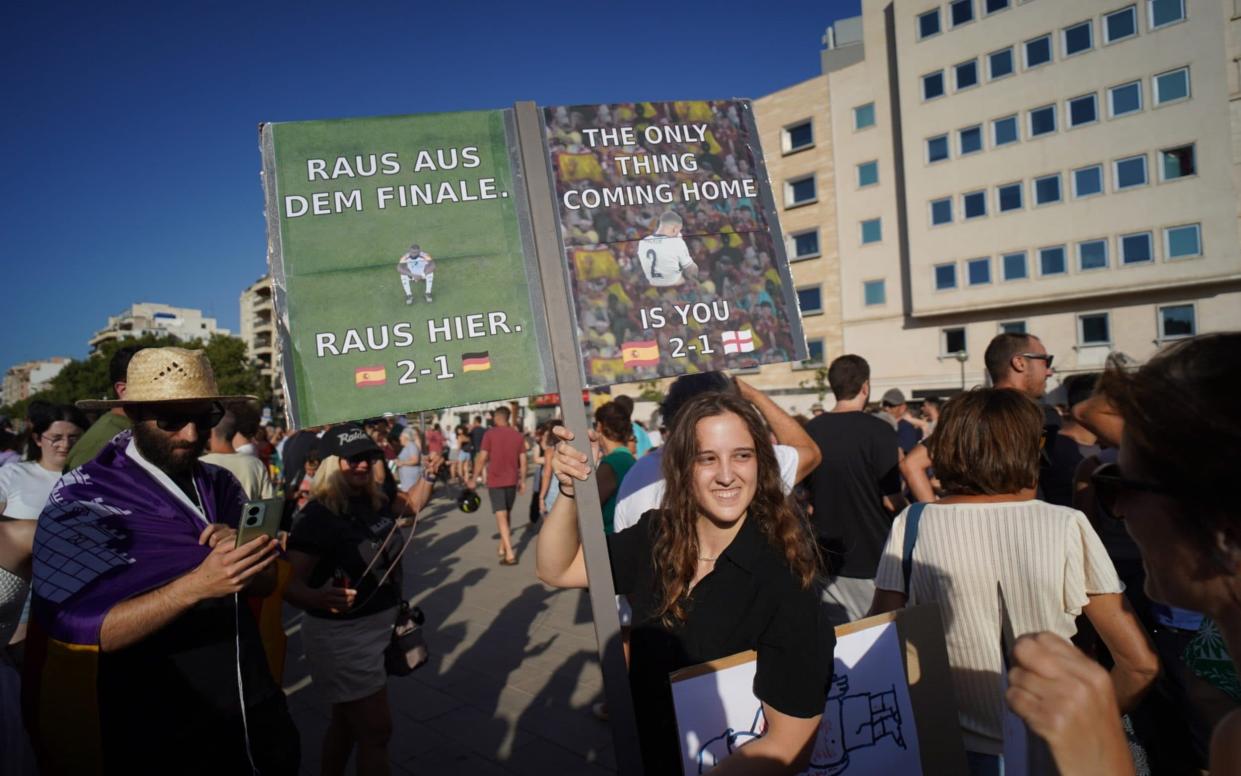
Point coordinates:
[[143, 657]]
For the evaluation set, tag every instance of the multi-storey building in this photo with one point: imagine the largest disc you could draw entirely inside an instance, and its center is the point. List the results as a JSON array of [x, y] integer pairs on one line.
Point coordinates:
[[1067, 169], [143, 318], [26, 379], [258, 331]]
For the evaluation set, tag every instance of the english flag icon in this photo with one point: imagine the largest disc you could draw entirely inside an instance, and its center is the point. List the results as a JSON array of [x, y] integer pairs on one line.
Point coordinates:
[[738, 341]]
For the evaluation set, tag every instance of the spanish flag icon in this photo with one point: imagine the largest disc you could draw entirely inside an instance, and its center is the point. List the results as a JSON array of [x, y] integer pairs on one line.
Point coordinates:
[[366, 376], [640, 353], [476, 362]]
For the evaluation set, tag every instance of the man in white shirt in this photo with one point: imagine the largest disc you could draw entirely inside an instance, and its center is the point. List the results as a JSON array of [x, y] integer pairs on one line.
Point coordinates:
[[415, 264], [248, 469], [664, 256]]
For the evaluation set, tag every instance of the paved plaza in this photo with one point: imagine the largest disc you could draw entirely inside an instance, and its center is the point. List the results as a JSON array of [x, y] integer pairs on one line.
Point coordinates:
[[514, 668]]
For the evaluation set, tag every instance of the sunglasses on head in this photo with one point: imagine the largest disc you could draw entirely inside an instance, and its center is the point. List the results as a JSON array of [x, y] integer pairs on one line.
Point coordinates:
[[1109, 483], [172, 420]]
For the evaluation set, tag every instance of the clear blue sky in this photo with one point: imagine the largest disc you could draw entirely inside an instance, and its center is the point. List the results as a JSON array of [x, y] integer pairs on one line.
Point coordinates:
[[131, 160]]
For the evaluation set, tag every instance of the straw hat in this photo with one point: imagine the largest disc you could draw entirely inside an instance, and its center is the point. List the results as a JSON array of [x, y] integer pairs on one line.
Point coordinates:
[[158, 375]]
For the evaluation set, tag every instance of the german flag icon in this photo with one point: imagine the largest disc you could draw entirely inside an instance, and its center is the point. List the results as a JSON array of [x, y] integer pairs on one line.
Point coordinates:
[[476, 362], [367, 376]]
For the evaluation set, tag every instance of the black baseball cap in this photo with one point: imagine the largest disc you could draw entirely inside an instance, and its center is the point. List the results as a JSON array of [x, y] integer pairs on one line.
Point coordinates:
[[348, 440]]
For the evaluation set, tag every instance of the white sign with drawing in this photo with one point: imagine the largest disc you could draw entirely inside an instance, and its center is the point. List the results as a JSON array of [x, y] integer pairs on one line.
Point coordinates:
[[868, 724]]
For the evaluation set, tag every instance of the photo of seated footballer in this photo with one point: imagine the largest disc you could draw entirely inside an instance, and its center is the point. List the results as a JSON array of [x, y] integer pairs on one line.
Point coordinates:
[[414, 265]]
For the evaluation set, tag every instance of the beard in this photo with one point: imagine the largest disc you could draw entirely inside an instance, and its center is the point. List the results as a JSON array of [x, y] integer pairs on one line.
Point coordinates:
[[174, 458]]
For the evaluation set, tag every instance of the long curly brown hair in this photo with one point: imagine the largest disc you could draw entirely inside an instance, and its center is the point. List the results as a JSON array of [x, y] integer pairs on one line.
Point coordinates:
[[674, 535]]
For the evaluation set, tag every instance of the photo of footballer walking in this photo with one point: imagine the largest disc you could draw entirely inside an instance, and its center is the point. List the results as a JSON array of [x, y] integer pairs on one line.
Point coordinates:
[[664, 256], [414, 265]]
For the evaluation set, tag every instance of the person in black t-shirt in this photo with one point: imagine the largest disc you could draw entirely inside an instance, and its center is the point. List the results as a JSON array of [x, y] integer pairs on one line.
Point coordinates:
[[725, 565], [855, 489], [344, 543]]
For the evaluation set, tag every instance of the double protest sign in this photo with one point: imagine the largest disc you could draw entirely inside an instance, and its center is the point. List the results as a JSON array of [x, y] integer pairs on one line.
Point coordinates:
[[405, 278]]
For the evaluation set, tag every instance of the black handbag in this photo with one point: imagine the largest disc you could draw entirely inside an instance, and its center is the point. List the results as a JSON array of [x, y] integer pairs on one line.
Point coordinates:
[[407, 649]]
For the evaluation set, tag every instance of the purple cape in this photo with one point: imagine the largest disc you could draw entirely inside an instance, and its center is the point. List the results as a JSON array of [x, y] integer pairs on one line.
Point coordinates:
[[110, 531]]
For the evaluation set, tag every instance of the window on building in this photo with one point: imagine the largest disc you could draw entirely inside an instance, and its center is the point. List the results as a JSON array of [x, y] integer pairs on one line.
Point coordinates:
[[969, 140], [816, 354], [799, 191], [872, 231], [1051, 260], [1119, 25], [1083, 110], [1129, 172], [933, 85], [1042, 121], [974, 204], [864, 116], [1088, 181], [1182, 242], [961, 12], [945, 276], [806, 244], [928, 24], [1136, 248], [874, 293], [1176, 321], [1177, 162], [941, 211], [953, 340], [1092, 254], [798, 136], [993, 6], [1008, 197], [1078, 38], [936, 148], [867, 174], [1000, 63], [1124, 99], [810, 298], [978, 271], [1012, 327], [1093, 329], [1015, 267], [1171, 86], [1004, 131], [1160, 13], [966, 74], [1038, 51], [1047, 189]]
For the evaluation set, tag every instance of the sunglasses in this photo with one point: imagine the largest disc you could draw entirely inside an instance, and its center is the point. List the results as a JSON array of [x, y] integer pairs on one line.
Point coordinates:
[[1040, 357], [173, 421], [1109, 483]]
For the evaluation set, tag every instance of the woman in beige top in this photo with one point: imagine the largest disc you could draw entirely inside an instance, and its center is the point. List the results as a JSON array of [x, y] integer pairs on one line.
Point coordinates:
[[990, 529]]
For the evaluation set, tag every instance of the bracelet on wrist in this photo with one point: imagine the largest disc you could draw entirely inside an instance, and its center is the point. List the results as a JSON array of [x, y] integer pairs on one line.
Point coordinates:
[[430, 476], [564, 492]]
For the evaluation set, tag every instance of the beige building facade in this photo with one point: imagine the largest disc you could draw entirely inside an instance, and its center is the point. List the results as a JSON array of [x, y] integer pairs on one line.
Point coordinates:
[[258, 331], [24, 380], [1066, 169], [184, 323]]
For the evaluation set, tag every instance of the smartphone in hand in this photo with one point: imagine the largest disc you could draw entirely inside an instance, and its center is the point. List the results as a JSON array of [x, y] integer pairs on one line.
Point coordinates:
[[259, 518]]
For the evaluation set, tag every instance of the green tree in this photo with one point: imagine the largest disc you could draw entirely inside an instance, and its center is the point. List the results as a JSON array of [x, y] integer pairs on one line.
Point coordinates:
[[818, 382], [649, 391]]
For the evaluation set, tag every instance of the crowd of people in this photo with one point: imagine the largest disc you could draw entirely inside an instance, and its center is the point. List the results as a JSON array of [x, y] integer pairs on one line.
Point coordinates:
[[135, 619]]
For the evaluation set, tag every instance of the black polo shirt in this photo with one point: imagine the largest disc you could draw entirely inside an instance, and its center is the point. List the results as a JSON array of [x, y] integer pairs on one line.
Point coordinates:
[[751, 600]]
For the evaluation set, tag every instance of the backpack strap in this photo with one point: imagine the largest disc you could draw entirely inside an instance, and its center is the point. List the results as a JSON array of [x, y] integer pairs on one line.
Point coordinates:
[[912, 517]]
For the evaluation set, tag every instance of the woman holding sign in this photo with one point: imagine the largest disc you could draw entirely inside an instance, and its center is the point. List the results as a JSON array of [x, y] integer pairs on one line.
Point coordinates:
[[725, 565]]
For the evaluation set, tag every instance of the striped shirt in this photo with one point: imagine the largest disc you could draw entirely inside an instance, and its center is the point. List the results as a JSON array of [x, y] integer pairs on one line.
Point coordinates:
[[1047, 558]]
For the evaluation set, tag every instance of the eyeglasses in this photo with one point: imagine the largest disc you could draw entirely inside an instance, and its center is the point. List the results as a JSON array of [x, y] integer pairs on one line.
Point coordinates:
[[70, 440], [173, 421], [1040, 357], [1109, 483]]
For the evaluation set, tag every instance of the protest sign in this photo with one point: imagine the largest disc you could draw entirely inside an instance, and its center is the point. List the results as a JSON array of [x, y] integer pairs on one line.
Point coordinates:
[[671, 240], [889, 708], [400, 252]]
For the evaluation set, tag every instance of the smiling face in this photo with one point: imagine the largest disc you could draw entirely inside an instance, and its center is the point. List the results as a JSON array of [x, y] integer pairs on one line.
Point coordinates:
[[357, 470], [725, 468]]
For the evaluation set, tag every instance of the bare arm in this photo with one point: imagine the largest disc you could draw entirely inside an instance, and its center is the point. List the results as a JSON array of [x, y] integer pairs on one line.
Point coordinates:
[[225, 571], [559, 561], [327, 597], [480, 462], [784, 749], [913, 468], [886, 601], [788, 431], [608, 484], [522, 464], [16, 544], [1136, 665], [1098, 415]]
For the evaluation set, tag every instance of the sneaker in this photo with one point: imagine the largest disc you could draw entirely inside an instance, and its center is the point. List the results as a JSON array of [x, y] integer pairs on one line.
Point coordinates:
[[409, 300], [429, 299]]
